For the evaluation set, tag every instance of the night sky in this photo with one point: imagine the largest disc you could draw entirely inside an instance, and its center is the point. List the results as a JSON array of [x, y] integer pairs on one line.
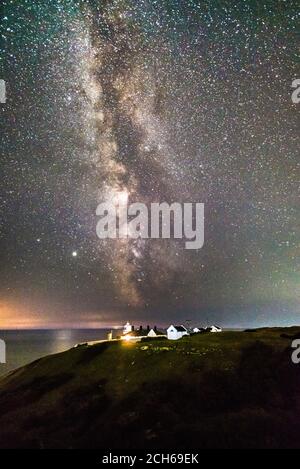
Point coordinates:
[[156, 101]]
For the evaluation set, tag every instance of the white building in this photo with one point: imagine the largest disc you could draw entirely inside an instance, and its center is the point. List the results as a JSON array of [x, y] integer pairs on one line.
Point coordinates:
[[176, 332], [214, 329], [197, 330], [127, 328], [153, 333]]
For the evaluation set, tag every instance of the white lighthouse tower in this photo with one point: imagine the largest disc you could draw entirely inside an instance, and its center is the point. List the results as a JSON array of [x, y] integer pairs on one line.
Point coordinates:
[[127, 328]]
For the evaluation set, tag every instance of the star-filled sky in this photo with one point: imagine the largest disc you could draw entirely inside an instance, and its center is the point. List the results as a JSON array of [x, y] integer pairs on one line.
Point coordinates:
[[152, 101]]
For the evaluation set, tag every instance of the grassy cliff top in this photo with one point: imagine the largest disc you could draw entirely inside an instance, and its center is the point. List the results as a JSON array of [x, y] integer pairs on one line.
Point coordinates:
[[234, 389]]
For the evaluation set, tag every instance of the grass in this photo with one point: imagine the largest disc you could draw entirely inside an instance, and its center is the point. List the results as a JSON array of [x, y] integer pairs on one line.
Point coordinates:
[[234, 389]]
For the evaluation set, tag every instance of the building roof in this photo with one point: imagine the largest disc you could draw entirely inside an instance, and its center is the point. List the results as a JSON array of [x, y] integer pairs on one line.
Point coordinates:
[[180, 328]]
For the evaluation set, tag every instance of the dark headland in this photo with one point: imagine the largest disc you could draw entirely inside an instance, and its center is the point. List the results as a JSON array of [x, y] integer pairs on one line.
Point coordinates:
[[228, 390]]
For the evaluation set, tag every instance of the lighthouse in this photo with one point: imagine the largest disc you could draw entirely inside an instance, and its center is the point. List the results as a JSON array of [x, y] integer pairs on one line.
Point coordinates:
[[127, 328]]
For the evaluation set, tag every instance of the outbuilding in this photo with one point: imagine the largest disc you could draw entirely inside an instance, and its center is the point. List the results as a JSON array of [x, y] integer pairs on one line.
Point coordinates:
[[176, 332]]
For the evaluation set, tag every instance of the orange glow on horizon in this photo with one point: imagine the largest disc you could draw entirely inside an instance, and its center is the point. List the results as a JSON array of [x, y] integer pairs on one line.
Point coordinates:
[[13, 316], [21, 315]]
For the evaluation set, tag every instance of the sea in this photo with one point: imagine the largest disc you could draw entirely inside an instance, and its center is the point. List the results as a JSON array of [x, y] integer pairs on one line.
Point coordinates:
[[25, 346]]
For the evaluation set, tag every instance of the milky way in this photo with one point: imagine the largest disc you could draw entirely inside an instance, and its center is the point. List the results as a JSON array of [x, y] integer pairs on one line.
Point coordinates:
[[149, 101]]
